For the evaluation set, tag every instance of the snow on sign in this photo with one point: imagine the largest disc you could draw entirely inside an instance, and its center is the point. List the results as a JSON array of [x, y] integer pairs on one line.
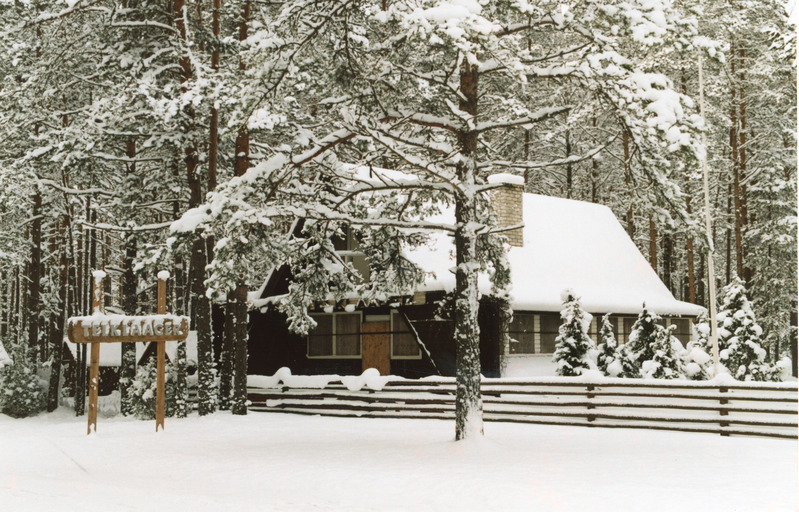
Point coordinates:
[[101, 328]]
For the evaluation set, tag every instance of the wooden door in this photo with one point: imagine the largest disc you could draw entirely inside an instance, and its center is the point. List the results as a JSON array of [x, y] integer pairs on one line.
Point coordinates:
[[376, 346]]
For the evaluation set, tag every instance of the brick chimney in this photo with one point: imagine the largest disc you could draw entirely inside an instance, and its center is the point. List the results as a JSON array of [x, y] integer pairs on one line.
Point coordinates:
[[509, 206]]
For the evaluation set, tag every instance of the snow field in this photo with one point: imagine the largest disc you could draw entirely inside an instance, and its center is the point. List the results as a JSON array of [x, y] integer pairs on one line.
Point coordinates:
[[283, 462]]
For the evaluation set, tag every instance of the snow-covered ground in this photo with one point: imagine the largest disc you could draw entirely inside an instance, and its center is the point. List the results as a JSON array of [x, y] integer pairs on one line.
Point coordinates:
[[282, 462]]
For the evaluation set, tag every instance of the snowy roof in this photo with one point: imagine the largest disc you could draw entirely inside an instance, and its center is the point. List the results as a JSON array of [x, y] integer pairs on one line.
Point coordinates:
[[567, 244], [111, 353]]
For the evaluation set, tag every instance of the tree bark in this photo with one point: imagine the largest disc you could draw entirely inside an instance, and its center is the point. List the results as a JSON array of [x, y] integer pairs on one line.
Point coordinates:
[[689, 250], [736, 173], [667, 256], [226, 356], [627, 180], [653, 244], [34, 278], [239, 399], [57, 331], [130, 303], [468, 400]]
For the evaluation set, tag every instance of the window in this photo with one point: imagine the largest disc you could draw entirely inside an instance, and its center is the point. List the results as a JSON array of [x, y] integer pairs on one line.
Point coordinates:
[[683, 330], [403, 341], [550, 323], [626, 328], [335, 335], [522, 333]]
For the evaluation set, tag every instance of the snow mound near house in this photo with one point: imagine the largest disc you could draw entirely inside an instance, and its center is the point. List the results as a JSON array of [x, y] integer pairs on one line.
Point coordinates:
[[370, 379]]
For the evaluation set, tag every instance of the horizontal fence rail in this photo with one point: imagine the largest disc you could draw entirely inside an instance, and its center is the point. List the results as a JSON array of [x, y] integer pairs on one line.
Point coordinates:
[[748, 409]]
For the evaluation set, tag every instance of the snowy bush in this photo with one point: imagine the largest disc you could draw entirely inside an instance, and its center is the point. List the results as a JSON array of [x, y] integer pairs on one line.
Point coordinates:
[[573, 346], [142, 397], [21, 391]]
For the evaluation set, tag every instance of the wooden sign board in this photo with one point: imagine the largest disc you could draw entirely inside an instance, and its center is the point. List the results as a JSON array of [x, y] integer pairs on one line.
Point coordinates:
[[127, 329], [101, 328]]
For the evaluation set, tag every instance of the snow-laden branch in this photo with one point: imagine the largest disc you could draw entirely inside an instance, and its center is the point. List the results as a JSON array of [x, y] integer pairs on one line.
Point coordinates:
[[428, 120], [540, 165], [75, 191], [123, 229], [536, 117]]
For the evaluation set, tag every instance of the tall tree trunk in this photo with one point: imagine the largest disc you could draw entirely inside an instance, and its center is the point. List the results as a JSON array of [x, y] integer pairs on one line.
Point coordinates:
[[742, 135], [728, 269], [569, 169], [227, 355], [653, 244], [201, 304], [594, 172], [130, 302], [239, 399], [180, 306], [468, 400], [736, 173], [57, 329], [667, 263], [34, 277], [627, 180], [689, 250]]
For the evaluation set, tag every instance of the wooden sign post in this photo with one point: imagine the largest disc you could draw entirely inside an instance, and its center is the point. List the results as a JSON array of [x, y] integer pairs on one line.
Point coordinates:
[[101, 328]]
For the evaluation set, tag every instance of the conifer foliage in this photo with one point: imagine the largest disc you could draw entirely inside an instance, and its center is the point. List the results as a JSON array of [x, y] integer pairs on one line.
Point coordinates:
[[21, 392], [666, 361], [740, 349], [611, 359], [142, 396], [642, 338], [572, 345]]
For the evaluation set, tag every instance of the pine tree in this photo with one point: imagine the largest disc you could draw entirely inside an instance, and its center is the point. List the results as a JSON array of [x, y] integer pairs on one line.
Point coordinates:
[[697, 359], [739, 336], [666, 361], [573, 344], [143, 391], [21, 392], [611, 360], [640, 347]]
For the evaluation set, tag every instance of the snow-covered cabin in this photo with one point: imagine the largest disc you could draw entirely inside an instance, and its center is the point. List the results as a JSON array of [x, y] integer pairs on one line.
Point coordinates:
[[564, 244]]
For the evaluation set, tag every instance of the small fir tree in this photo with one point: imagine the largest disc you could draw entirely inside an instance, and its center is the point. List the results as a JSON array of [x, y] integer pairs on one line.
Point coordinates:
[[666, 362], [21, 392], [642, 338], [181, 389], [610, 360], [143, 391], [572, 345], [740, 337], [697, 359]]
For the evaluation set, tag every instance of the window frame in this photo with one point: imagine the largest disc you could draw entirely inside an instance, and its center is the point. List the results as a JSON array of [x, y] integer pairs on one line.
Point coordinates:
[[391, 326], [334, 335], [535, 332]]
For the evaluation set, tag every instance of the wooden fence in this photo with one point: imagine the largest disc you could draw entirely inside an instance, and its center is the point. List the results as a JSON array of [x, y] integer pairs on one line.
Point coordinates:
[[756, 409]]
